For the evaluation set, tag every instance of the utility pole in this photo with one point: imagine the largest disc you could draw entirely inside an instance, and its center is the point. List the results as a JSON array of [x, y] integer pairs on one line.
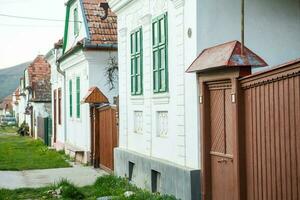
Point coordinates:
[[242, 26]]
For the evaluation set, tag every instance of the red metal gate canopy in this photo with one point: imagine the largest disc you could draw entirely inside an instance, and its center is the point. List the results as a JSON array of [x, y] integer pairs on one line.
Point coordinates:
[[94, 95], [226, 55]]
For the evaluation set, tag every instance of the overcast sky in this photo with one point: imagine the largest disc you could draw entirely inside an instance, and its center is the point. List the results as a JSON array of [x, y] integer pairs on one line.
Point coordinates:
[[22, 40]]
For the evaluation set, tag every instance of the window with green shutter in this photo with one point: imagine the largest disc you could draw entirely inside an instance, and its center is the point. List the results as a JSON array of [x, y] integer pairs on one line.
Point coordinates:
[[78, 97], [76, 22], [70, 98], [136, 40], [160, 53]]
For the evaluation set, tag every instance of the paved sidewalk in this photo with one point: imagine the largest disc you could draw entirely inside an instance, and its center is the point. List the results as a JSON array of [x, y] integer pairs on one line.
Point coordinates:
[[79, 175]]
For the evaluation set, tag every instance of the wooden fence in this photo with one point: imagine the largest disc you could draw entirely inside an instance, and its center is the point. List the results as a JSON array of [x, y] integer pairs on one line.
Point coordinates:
[[272, 133]]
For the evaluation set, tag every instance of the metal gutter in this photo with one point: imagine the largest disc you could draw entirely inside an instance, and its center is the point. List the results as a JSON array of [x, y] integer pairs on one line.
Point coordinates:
[[87, 45]]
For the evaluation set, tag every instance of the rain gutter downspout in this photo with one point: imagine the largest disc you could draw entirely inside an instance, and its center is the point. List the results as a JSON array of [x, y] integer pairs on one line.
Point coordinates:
[[58, 69]]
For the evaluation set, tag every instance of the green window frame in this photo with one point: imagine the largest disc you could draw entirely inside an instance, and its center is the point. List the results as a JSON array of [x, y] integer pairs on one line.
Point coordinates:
[[136, 52], [70, 98], [160, 53], [78, 97], [76, 22]]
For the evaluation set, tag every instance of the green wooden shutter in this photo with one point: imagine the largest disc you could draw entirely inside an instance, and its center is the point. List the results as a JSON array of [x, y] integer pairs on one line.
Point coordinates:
[[160, 54], [70, 98], [78, 97], [136, 50]]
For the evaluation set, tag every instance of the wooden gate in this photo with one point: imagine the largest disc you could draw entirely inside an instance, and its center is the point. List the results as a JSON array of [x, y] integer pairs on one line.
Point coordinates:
[[54, 115], [221, 152], [104, 137], [250, 134]]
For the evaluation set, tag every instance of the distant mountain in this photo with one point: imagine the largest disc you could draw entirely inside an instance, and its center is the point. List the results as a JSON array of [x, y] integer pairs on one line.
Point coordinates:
[[9, 79]]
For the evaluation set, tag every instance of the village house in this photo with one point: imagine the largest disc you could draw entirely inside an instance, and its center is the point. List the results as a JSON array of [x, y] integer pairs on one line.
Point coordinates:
[[159, 143], [6, 106], [37, 91], [15, 104], [22, 102], [89, 54], [57, 97]]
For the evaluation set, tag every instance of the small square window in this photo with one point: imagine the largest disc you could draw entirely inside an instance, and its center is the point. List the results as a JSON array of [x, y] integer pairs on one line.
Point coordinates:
[[162, 123], [138, 122]]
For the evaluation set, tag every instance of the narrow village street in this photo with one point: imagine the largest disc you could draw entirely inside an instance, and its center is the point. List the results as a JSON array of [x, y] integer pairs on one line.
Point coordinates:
[[150, 100], [77, 174], [35, 178]]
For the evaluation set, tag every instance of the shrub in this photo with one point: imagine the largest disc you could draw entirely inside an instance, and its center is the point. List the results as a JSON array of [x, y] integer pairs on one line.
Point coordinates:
[[24, 129], [69, 190]]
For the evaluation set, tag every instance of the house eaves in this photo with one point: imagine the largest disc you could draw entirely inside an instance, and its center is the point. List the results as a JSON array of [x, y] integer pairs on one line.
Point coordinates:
[[87, 45]]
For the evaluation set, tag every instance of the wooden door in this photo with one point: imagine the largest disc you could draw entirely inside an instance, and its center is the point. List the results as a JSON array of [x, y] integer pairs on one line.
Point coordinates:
[[54, 115], [107, 137], [221, 142]]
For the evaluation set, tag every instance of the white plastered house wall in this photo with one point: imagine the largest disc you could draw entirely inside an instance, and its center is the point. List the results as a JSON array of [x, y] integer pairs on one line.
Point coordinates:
[[57, 82], [179, 148], [15, 105], [271, 32], [90, 66], [22, 102]]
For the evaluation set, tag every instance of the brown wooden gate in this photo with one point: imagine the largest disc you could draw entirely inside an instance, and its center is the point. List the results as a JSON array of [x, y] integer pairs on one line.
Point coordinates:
[[54, 115], [221, 146], [250, 134], [104, 137]]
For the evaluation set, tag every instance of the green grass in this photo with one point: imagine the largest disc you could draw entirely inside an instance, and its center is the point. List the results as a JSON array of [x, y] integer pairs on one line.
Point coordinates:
[[104, 186], [8, 129], [23, 153]]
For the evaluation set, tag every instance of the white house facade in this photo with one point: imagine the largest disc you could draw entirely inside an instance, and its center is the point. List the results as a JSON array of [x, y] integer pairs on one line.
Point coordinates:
[[22, 102], [159, 104], [89, 48], [57, 98], [159, 143]]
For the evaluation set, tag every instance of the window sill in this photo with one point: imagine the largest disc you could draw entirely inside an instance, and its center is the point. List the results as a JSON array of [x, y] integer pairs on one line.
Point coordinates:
[[137, 100], [159, 98]]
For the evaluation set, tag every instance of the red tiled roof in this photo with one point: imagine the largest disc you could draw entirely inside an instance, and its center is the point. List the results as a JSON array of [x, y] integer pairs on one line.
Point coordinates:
[[39, 69], [17, 93], [39, 73], [6, 103], [101, 31]]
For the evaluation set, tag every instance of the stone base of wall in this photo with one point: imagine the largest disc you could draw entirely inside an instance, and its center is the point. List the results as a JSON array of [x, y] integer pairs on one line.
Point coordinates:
[[158, 175], [59, 146], [78, 154]]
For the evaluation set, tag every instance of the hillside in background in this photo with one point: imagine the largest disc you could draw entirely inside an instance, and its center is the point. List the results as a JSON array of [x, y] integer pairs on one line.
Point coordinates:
[[9, 79]]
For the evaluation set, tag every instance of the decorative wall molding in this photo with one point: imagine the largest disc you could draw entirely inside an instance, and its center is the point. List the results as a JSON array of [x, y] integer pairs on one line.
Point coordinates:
[[117, 5], [178, 3], [123, 32], [146, 19]]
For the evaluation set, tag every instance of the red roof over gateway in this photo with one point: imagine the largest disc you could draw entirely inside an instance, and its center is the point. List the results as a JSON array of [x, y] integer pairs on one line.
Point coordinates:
[[226, 55]]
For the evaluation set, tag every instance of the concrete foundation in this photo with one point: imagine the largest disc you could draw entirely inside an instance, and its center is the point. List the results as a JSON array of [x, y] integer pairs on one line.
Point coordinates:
[[158, 175]]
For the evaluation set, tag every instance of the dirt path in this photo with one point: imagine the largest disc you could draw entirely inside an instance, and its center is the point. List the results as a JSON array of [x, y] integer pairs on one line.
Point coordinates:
[[79, 175]]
